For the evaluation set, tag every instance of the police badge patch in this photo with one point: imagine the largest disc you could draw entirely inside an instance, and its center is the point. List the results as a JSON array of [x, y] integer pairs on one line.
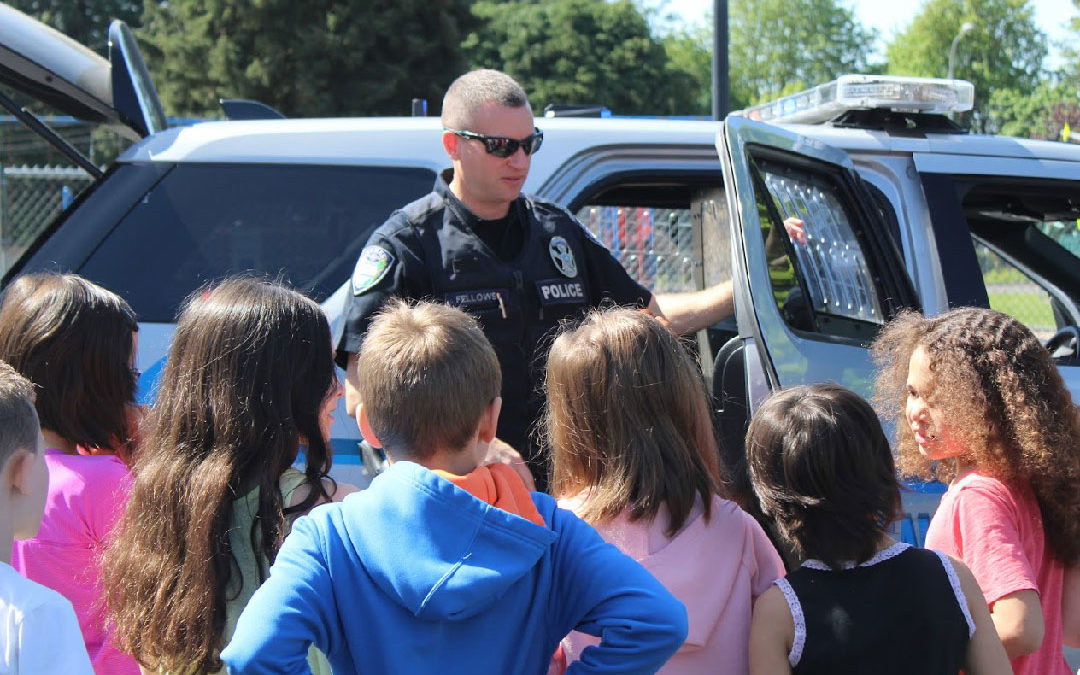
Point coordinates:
[[371, 267], [563, 257]]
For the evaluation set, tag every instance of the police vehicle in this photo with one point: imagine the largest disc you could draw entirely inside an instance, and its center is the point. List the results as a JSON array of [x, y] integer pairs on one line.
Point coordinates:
[[903, 210]]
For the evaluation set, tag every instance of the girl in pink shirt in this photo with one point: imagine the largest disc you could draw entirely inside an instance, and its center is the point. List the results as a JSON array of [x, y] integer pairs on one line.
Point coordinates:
[[634, 454], [76, 342], [980, 404]]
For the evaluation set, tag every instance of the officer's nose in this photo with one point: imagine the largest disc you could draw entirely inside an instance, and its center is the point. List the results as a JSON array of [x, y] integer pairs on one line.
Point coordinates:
[[519, 159]]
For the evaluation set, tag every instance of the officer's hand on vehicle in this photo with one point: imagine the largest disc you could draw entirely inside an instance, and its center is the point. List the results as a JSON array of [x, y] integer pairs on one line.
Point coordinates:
[[500, 452], [796, 230]]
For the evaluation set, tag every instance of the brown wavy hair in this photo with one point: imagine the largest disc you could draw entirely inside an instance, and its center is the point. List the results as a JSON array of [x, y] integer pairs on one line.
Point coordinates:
[[822, 468], [248, 369], [1019, 422], [627, 418], [73, 340]]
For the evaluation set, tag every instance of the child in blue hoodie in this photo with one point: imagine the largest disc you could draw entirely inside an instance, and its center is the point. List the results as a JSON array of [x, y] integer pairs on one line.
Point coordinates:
[[440, 566]]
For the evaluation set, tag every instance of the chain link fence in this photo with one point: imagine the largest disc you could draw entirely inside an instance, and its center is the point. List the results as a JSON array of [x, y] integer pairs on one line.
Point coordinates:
[[656, 246], [30, 198], [37, 181]]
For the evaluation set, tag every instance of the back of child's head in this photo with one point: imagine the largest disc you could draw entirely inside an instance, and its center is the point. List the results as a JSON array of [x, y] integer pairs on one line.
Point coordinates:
[[822, 468], [249, 367], [18, 420], [1003, 398], [73, 340], [426, 373], [627, 419]]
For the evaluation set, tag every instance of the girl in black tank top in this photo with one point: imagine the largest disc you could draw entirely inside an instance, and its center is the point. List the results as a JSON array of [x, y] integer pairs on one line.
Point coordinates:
[[859, 603]]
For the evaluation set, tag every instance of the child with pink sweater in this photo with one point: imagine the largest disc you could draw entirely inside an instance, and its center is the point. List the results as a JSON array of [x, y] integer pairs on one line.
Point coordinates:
[[634, 454], [76, 342]]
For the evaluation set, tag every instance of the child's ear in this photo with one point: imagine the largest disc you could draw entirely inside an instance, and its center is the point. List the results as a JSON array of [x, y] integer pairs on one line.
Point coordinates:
[[489, 420], [365, 426], [17, 471]]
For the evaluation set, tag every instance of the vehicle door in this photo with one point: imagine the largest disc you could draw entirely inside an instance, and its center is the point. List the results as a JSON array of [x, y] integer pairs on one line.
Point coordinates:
[[806, 313], [812, 309]]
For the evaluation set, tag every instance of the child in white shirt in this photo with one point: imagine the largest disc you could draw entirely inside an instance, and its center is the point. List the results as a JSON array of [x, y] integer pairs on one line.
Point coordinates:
[[38, 629]]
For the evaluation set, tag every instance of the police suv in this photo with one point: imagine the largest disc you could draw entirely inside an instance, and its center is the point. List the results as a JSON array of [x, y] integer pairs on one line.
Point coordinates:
[[903, 210]]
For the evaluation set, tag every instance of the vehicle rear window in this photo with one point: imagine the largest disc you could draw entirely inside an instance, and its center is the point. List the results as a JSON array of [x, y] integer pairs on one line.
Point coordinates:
[[302, 224]]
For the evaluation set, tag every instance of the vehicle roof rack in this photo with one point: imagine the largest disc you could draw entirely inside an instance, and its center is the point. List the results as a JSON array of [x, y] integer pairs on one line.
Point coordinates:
[[897, 122], [576, 110], [825, 102]]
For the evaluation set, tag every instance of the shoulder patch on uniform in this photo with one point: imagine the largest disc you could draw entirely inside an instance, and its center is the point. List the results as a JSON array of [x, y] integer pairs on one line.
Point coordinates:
[[563, 257], [372, 265]]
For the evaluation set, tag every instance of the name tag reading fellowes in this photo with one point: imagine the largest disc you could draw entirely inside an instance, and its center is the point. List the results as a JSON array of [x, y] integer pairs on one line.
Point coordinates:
[[480, 302]]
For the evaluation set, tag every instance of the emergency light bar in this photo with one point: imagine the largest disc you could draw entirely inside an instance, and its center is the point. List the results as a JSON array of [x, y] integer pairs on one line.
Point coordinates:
[[864, 92]]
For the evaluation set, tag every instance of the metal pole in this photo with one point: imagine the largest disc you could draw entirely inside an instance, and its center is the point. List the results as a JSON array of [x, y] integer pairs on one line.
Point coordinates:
[[38, 127], [965, 28], [721, 85]]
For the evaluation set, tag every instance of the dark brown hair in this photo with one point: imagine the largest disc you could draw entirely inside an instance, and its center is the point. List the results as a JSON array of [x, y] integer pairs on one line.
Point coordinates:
[[821, 466], [248, 369], [1005, 400], [72, 339], [18, 421], [425, 374], [627, 419]]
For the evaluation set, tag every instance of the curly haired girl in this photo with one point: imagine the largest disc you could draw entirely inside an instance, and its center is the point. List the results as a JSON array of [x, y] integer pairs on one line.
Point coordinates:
[[249, 379], [979, 403]]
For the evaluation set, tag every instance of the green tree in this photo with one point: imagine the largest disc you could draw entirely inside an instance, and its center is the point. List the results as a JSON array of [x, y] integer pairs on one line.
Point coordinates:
[[87, 21], [1042, 113], [323, 58], [689, 51], [778, 46], [1070, 51], [1004, 50], [580, 51]]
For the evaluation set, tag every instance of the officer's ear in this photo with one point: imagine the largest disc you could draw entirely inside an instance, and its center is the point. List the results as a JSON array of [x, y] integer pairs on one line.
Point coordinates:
[[365, 426], [450, 144]]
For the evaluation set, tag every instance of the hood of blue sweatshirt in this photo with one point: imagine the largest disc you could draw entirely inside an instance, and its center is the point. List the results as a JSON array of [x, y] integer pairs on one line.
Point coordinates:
[[444, 555]]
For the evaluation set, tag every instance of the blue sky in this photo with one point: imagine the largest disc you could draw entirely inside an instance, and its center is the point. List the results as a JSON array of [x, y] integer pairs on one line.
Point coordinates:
[[891, 16]]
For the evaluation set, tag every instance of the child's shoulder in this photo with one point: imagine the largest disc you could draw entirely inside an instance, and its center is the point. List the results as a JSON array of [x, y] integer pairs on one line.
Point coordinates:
[[981, 487], [89, 463], [20, 596], [86, 473]]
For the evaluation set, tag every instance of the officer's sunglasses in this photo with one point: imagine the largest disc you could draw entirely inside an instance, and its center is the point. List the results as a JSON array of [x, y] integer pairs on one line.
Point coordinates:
[[500, 146]]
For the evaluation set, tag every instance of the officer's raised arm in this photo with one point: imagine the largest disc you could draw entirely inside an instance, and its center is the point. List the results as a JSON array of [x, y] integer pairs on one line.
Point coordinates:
[[694, 310]]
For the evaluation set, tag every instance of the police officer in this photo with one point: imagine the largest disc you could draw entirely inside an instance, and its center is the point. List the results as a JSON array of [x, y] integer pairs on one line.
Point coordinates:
[[518, 264]]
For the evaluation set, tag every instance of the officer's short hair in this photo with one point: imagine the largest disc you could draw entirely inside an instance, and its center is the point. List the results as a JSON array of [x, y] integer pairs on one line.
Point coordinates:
[[425, 374], [476, 88], [18, 419]]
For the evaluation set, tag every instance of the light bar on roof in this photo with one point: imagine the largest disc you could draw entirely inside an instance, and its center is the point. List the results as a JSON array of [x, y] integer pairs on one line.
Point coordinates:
[[864, 92]]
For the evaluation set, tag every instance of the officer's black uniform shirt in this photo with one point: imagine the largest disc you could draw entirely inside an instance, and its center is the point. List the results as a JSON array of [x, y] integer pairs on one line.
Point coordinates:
[[519, 282]]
